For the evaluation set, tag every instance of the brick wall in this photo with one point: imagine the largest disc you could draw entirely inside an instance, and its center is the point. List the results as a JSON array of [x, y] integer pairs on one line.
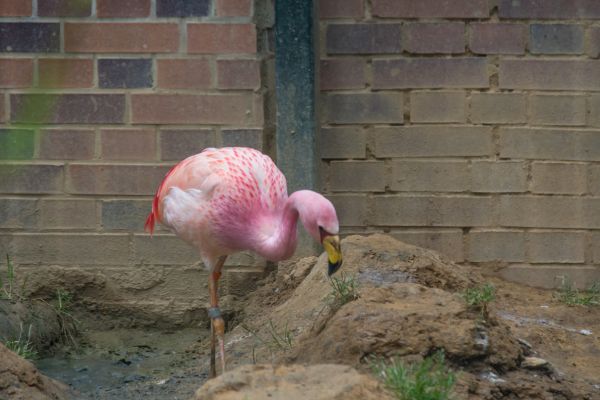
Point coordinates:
[[98, 99], [471, 127]]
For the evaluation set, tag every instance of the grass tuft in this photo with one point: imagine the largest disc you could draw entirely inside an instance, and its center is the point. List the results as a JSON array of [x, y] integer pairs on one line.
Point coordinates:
[[343, 290], [69, 325], [573, 297], [23, 347], [480, 297], [429, 379]]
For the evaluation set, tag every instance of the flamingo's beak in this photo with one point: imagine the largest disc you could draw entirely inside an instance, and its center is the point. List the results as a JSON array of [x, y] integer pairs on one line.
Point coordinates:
[[331, 243]]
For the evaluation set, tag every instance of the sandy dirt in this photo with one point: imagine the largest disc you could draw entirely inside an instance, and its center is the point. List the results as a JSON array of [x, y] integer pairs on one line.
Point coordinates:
[[410, 305]]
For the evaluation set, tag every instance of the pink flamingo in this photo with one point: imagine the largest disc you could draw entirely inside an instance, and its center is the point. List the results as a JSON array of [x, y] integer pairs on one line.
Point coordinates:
[[226, 200]]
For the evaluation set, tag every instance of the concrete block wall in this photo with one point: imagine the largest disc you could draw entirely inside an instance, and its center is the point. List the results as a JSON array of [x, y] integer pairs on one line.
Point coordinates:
[[470, 127], [98, 99]]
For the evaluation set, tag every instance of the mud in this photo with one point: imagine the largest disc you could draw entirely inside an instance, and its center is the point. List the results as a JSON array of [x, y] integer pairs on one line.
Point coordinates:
[[409, 306]]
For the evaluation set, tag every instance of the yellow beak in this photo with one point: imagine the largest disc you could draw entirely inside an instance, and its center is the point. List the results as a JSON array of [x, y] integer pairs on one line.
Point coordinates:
[[334, 253]]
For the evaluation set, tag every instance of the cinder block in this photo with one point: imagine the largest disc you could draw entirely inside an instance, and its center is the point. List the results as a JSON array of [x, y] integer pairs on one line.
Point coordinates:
[[346, 142], [498, 108], [16, 144], [18, 213], [128, 144], [343, 73], [68, 214], [550, 74], [341, 9], [592, 44], [363, 38], [487, 246], [558, 178], [556, 247], [557, 109], [430, 176], [71, 249], [121, 37], [594, 110], [430, 141], [447, 242], [497, 38], [64, 8], [551, 276], [594, 179], [193, 109], [67, 144], [124, 179], [206, 38], [546, 212], [364, 108], [127, 215], [459, 211], [498, 176], [67, 108], [555, 39], [16, 72], [430, 9], [362, 176], [549, 144], [351, 209], [438, 106], [431, 73], [31, 179], [435, 37], [66, 72]]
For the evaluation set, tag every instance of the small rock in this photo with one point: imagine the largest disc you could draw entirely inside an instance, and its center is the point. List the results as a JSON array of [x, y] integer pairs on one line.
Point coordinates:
[[534, 363]]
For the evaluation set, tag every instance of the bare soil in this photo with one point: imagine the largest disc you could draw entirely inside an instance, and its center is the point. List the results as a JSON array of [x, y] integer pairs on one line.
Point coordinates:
[[410, 305]]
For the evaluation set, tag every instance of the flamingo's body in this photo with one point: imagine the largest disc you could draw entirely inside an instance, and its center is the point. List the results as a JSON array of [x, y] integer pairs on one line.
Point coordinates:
[[226, 200]]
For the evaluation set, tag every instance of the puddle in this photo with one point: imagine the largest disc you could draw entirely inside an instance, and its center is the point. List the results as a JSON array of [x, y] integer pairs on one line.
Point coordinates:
[[131, 364]]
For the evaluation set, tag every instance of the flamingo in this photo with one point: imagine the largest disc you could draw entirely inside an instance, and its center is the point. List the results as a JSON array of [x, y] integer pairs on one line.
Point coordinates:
[[232, 199]]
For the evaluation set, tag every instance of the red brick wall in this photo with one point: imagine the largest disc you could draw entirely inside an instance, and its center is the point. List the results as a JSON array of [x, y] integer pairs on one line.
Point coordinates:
[[98, 99], [467, 126]]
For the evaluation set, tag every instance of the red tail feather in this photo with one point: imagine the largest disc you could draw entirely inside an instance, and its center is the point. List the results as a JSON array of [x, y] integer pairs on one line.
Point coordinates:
[[149, 227]]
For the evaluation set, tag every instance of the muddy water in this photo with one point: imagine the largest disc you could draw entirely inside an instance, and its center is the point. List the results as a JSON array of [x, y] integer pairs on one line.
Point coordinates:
[[132, 364]]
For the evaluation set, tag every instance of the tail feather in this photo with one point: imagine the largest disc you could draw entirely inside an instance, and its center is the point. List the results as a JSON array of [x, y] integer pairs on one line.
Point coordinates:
[[150, 221]]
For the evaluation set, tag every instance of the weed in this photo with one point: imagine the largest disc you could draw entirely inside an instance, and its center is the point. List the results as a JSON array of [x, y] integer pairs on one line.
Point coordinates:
[[480, 297], [69, 325], [429, 379], [7, 288], [572, 297], [343, 290], [23, 347], [283, 340], [277, 340]]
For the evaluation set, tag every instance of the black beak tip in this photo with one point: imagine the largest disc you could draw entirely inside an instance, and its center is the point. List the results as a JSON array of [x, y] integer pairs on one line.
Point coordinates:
[[332, 268]]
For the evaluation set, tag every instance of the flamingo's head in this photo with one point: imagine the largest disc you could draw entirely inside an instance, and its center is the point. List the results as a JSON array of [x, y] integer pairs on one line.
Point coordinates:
[[320, 220]]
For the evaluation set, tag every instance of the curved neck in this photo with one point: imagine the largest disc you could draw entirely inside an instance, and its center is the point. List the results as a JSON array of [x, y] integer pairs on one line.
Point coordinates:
[[281, 243]]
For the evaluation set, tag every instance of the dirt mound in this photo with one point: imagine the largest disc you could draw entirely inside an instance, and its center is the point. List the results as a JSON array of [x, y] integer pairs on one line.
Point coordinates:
[[33, 321], [409, 305], [20, 380], [294, 382]]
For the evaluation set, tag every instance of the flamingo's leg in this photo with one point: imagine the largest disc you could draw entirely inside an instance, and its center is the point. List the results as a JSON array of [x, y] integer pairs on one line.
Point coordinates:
[[217, 325]]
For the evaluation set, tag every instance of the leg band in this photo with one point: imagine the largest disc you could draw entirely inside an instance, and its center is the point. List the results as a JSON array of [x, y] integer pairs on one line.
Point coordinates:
[[214, 312]]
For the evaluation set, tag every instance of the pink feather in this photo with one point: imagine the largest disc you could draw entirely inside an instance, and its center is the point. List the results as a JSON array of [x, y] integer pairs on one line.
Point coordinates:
[[226, 200]]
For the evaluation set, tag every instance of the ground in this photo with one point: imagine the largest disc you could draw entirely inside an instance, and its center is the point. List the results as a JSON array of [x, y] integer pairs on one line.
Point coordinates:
[[409, 305]]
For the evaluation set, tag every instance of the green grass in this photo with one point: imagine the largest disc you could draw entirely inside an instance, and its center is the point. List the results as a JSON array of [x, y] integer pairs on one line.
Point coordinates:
[[7, 287], [480, 297], [23, 347], [429, 379], [69, 325], [277, 340], [344, 289], [573, 297]]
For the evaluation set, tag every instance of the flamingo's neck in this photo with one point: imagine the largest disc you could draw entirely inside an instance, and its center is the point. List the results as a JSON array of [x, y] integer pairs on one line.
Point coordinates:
[[280, 244]]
